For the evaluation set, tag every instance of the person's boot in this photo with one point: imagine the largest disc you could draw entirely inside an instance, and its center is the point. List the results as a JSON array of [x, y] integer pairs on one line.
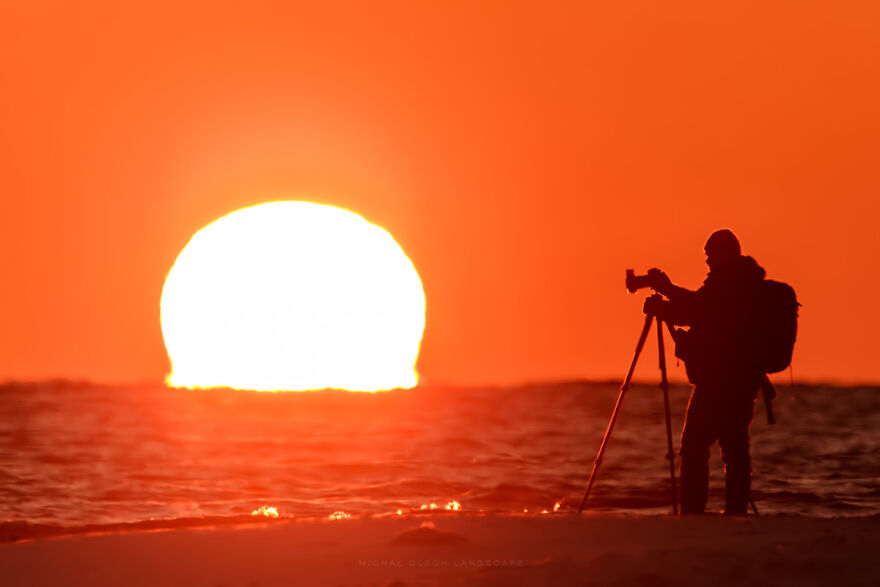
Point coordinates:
[[694, 484], [738, 481]]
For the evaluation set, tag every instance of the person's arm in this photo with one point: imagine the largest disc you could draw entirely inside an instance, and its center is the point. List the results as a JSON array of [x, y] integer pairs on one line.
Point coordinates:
[[681, 304]]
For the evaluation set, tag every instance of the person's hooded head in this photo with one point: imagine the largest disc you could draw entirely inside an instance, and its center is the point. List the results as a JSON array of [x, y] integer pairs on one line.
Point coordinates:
[[722, 248]]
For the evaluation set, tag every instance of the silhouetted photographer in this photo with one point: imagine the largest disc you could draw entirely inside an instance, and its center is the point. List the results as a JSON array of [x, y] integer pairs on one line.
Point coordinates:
[[741, 327]]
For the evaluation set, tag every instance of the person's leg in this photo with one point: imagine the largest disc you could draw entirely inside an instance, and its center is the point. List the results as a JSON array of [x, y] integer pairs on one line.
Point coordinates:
[[734, 439], [696, 438]]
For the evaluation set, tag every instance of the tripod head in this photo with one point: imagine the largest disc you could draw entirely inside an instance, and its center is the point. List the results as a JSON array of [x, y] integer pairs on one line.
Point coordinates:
[[654, 305]]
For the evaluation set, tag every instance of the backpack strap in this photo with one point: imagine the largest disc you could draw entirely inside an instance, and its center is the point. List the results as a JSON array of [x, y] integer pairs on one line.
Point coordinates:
[[769, 392]]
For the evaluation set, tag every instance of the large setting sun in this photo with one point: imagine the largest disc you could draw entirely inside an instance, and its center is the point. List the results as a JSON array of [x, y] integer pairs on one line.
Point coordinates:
[[293, 295]]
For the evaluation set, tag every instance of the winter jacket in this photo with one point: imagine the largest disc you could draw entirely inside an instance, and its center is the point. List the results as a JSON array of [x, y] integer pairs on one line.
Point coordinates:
[[719, 347]]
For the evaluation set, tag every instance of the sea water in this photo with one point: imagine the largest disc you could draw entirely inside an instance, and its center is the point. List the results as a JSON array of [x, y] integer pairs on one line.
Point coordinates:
[[75, 454]]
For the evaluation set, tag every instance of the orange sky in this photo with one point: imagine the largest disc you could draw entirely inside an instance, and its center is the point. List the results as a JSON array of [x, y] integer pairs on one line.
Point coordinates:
[[523, 157]]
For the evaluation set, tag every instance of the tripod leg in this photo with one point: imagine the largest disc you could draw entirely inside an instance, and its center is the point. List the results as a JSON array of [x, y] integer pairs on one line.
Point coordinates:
[[664, 385], [632, 367]]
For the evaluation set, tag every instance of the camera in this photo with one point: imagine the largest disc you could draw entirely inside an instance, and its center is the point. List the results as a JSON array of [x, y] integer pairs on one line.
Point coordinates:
[[636, 282]]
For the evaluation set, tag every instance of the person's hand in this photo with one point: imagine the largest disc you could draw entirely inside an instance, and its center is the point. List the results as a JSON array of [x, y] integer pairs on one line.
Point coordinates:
[[653, 305], [658, 280]]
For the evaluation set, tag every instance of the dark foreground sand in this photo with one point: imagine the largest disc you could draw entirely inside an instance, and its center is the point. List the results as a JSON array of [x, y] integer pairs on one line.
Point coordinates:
[[465, 550]]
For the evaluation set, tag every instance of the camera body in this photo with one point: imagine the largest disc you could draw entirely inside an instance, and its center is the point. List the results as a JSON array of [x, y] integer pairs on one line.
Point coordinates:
[[636, 282]]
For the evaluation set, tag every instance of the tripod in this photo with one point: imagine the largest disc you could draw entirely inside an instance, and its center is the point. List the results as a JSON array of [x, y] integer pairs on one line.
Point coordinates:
[[664, 385]]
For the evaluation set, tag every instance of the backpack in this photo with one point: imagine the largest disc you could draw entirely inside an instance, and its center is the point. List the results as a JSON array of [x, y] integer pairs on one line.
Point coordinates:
[[777, 331]]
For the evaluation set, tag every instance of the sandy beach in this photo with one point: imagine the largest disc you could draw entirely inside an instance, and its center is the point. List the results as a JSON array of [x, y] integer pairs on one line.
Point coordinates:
[[465, 550]]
